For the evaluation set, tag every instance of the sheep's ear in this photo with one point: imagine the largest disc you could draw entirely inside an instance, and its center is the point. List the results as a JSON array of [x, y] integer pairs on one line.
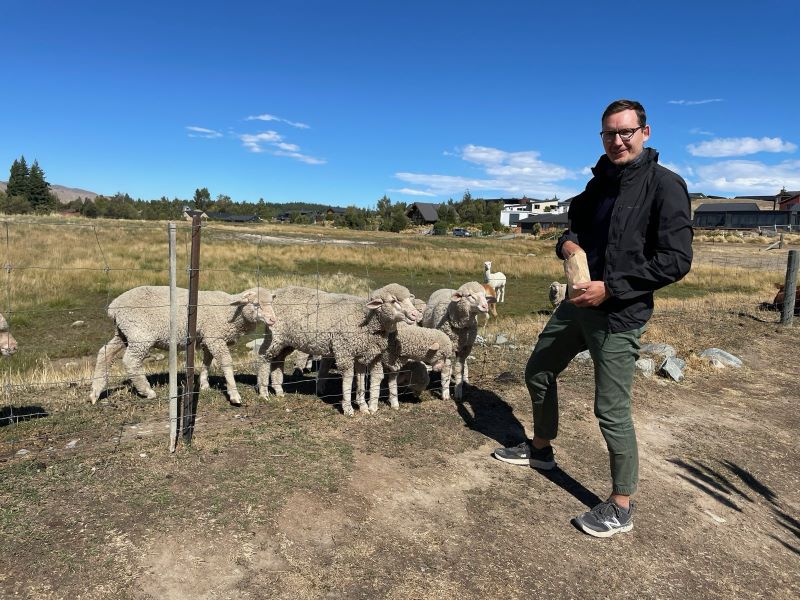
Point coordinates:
[[456, 296], [434, 346], [375, 303]]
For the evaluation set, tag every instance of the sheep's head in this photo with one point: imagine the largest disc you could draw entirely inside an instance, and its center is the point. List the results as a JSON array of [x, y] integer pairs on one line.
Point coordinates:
[[558, 292], [256, 306], [394, 304], [8, 345], [471, 296]]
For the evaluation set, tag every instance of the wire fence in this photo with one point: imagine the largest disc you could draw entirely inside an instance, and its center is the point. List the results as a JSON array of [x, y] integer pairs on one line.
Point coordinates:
[[61, 279]]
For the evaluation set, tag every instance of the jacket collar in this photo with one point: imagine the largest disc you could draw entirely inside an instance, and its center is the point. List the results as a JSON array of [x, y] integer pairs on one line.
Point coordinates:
[[606, 170]]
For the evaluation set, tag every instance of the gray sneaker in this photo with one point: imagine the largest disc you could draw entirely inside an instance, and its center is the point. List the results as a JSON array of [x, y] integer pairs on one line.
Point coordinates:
[[606, 519], [526, 455]]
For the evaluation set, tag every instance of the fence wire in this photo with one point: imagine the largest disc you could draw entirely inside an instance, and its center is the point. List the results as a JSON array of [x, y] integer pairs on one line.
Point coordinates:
[[61, 279]]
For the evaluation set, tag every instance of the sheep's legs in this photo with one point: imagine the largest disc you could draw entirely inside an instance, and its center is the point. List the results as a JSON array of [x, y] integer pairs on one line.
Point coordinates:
[[347, 389], [222, 354], [361, 376], [276, 371], [323, 374], [375, 378], [458, 371], [447, 371], [105, 357], [391, 382], [133, 359], [208, 358]]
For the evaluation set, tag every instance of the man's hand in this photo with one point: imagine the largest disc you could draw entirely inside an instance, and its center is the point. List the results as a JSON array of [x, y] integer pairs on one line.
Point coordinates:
[[594, 295], [568, 249]]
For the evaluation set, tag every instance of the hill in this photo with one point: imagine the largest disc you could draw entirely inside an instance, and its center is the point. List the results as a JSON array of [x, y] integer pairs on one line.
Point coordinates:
[[64, 194]]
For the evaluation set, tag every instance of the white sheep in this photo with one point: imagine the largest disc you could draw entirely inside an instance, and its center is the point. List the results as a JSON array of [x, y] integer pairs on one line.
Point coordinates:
[[415, 344], [8, 345], [141, 316], [455, 313], [557, 293], [496, 280], [353, 331]]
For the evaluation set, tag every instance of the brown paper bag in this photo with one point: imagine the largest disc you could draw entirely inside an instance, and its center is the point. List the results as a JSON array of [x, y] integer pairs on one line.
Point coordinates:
[[576, 268]]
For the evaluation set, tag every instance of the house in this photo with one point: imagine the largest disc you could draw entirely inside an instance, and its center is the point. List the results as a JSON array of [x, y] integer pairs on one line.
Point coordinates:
[[513, 213], [787, 200], [423, 213], [545, 221], [229, 218], [739, 215], [333, 211]]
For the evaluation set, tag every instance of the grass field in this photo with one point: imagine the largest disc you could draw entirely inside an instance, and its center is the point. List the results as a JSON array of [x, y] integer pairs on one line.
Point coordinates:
[[287, 498]]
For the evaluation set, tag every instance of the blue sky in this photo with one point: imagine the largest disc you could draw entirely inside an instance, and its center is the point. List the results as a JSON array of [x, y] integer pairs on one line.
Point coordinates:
[[342, 102]]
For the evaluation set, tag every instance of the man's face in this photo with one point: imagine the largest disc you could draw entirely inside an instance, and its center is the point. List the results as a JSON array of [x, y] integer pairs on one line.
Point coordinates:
[[618, 150]]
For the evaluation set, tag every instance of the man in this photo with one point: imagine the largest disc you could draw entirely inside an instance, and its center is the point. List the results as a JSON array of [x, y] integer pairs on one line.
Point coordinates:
[[633, 221]]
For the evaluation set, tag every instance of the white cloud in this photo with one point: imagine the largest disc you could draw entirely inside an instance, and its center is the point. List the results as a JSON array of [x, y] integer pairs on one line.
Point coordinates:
[[698, 131], [695, 102], [287, 147], [268, 117], [740, 177], [411, 192], [202, 132], [722, 147], [310, 160], [512, 173], [254, 142]]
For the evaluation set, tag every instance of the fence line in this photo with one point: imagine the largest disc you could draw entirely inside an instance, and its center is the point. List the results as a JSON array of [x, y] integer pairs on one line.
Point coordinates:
[[32, 378]]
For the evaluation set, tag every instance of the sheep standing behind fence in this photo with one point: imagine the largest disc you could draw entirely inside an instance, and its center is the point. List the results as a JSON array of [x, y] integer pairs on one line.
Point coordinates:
[[353, 331], [8, 345], [141, 317], [455, 313]]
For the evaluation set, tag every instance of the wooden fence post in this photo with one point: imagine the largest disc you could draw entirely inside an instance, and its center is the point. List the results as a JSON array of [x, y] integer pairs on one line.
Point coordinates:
[[790, 287], [189, 397]]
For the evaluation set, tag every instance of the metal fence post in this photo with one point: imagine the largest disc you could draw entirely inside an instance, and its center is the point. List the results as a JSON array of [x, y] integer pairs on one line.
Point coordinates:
[[189, 399], [173, 339], [790, 287]]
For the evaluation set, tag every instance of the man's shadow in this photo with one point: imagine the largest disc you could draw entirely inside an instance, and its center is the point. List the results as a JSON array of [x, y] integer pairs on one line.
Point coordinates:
[[488, 414]]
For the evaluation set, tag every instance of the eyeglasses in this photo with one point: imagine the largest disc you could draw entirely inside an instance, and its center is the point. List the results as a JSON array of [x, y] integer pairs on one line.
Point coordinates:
[[624, 134]]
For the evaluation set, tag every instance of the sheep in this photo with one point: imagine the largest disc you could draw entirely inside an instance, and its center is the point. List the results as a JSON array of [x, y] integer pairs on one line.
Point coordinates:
[[455, 312], [141, 317], [352, 331], [415, 344], [557, 293], [414, 376], [8, 345], [496, 280]]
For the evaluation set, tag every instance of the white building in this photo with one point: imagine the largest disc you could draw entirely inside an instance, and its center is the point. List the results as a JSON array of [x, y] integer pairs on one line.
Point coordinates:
[[512, 213]]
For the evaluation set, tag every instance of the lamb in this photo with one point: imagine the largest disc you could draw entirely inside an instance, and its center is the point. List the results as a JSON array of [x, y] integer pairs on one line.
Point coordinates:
[[455, 313], [352, 331], [141, 316], [415, 344], [414, 376], [8, 345], [496, 280], [491, 298], [558, 291]]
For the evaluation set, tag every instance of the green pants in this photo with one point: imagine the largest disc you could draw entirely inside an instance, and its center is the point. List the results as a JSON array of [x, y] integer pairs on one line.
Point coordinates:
[[570, 331]]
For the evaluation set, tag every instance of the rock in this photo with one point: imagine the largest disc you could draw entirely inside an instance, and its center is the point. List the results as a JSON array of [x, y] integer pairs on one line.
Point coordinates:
[[501, 339], [255, 344], [720, 358], [584, 356], [664, 350], [23, 452], [647, 366], [480, 340], [71, 444], [673, 367], [78, 324]]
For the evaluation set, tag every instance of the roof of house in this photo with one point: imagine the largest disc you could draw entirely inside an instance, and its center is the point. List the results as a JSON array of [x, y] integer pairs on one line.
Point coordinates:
[[428, 210], [727, 207], [546, 218], [222, 216]]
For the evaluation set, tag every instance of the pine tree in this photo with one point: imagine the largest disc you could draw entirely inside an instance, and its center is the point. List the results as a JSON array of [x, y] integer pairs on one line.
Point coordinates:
[[38, 192], [18, 179]]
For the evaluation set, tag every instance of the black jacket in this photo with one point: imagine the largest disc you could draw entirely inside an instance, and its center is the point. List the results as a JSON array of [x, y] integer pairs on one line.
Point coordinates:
[[649, 238]]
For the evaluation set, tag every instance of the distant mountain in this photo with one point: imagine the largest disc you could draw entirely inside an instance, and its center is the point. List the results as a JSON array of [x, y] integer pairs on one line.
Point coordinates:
[[65, 195]]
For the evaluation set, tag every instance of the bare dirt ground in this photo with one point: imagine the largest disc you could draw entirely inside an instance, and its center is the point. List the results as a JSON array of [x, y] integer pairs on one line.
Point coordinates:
[[289, 499]]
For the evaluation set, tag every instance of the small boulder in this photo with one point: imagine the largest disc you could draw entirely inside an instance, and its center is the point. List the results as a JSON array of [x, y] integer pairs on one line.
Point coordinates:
[[78, 324], [664, 350], [720, 358], [673, 367], [500, 339], [583, 356], [255, 344], [647, 366]]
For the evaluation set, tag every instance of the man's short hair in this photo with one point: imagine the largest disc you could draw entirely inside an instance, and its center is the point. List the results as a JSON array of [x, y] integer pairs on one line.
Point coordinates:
[[620, 105]]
